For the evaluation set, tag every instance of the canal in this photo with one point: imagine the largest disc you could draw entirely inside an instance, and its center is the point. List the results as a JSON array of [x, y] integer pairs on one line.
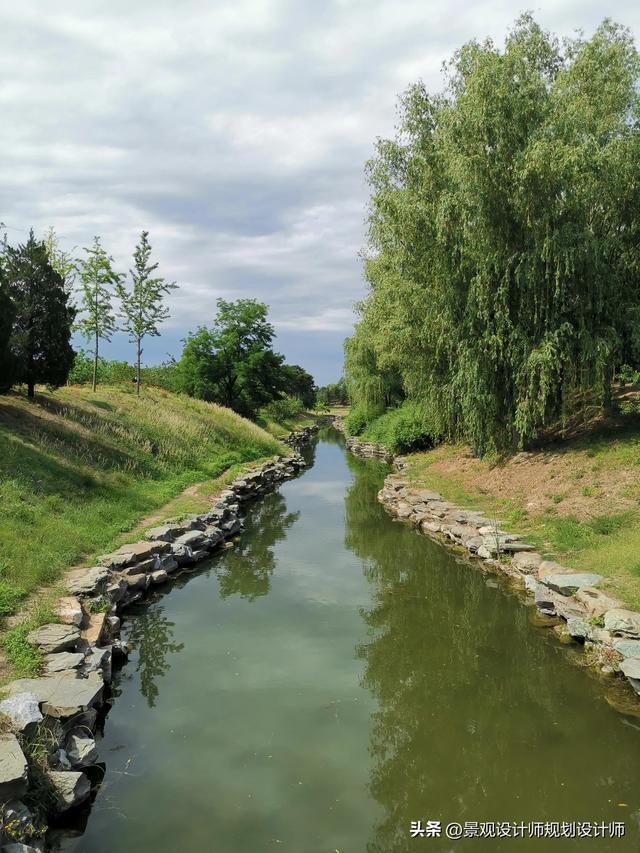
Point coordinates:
[[333, 677]]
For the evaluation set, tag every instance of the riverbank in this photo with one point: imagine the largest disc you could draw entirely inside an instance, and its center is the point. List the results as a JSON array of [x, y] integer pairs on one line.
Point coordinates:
[[47, 748], [578, 603]]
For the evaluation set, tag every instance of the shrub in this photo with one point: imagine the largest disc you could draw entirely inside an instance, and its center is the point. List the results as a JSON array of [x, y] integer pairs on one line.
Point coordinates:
[[358, 419], [283, 409], [402, 429]]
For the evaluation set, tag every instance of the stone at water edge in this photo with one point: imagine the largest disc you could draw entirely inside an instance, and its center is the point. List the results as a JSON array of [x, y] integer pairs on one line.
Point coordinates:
[[54, 638], [596, 601], [70, 788], [622, 622], [527, 561], [81, 750], [69, 610], [631, 668], [568, 584], [13, 768], [95, 629], [578, 628], [62, 661], [22, 709], [87, 581], [61, 697], [627, 648], [550, 567]]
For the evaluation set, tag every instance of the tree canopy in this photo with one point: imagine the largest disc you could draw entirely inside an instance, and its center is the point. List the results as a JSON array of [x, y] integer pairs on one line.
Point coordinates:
[[503, 253], [233, 363], [41, 328]]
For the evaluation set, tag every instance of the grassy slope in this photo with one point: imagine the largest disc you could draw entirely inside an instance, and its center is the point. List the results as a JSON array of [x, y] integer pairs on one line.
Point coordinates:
[[78, 470], [577, 500]]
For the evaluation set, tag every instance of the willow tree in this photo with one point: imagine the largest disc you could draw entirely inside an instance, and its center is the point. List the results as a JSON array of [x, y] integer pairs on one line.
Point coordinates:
[[503, 251]]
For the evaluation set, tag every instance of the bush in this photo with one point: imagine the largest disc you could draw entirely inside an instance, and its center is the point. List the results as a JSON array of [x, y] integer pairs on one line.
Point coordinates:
[[358, 418], [402, 429], [283, 409]]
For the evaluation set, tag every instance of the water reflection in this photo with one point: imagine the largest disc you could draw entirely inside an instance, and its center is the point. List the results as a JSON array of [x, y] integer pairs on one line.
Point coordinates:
[[469, 722], [152, 638], [247, 569]]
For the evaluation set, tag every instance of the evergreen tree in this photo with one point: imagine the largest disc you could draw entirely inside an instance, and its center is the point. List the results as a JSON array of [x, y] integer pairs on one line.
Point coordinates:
[[97, 283], [143, 306], [7, 313], [41, 333]]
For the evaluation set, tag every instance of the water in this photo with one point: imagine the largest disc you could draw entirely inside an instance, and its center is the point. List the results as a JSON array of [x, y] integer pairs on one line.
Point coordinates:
[[335, 676]]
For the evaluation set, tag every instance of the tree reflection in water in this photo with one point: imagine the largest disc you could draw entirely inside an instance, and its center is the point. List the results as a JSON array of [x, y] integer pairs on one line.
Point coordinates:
[[246, 570], [152, 637]]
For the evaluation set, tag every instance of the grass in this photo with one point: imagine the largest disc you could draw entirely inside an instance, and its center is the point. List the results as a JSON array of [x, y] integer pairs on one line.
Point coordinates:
[[577, 501], [283, 428], [79, 470], [25, 659]]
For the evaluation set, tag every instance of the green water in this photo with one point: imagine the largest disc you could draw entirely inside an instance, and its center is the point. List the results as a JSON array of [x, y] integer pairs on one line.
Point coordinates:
[[335, 676]]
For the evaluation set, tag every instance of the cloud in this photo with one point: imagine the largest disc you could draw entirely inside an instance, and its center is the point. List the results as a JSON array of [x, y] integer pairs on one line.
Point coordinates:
[[236, 132]]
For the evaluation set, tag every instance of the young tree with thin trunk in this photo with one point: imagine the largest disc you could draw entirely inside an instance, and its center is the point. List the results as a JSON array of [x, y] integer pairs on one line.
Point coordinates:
[[143, 307], [98, 282], [62, 262]]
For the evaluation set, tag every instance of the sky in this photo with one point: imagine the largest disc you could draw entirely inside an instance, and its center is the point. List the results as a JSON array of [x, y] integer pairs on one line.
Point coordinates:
[[236, 133]]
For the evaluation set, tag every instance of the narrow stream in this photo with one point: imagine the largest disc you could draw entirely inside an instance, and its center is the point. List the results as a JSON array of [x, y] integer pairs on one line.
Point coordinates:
[[335, 676]]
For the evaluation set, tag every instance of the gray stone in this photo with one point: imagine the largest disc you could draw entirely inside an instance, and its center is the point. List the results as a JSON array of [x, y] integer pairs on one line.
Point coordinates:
[[567, 584], [61, 661], [167, 563], [550, 567], [193, 538], [623, 623], [87, 581], [544, 599], [159, 577], [516, 547], [596, 601], [61, 697], [527, 561], [54, 638], [578, 628], [627, 648], [13, 768], [81, 750], [431, 526], [70, 788], [17, 847], [631, 668], [69, 610], [141, 568], [484, 552], [134, 553], [22, 709], [166, 532]]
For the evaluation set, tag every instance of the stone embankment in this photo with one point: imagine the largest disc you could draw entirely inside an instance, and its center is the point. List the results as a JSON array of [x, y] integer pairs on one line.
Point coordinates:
[[47, 747], [361, 448], [570, 601], [299, 437]]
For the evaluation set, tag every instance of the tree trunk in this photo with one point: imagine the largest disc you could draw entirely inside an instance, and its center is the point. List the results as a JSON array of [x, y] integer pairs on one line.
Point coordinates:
[[31, 390], [95, 364], [138, 376]]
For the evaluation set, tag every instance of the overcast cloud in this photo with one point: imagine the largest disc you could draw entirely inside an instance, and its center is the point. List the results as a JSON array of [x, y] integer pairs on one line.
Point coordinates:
[[235, 132]]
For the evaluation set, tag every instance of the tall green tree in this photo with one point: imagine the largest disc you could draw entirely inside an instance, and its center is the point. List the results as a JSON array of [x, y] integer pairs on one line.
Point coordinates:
[[62, 262], [7, 314], [233, 363], [98, 281], [142, 305], [300, 384], [504, 237], [41, 332]]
